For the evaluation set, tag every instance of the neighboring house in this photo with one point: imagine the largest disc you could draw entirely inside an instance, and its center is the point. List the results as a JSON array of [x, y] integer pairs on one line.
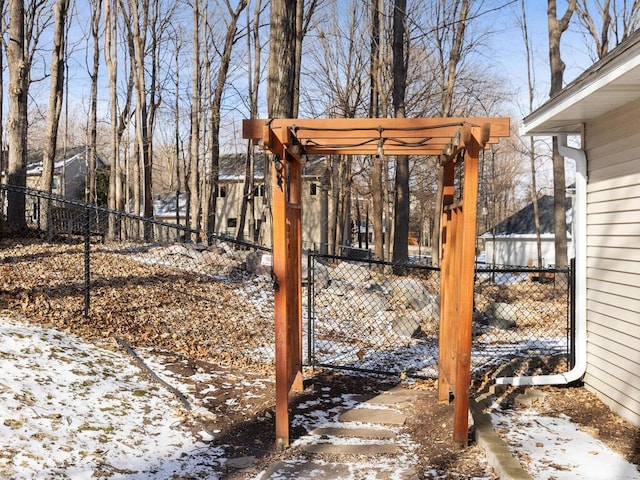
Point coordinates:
[[602, 106], [164, 208], [69, 172], [230, 190], [513, 242]]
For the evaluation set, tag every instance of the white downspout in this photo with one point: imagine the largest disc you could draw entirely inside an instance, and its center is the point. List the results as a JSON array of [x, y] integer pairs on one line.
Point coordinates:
[[580, 245]]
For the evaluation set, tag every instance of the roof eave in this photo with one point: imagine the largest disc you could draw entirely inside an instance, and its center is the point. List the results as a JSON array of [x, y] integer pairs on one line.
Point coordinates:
[[614, 81]]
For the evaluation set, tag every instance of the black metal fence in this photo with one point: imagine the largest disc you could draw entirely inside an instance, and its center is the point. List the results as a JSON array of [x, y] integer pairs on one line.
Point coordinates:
[[102, 273], [152, 285], [363, 317]]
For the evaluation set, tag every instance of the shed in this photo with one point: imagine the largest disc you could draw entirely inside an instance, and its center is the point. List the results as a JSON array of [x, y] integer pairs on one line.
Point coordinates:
[[601, 108], [513, 241]]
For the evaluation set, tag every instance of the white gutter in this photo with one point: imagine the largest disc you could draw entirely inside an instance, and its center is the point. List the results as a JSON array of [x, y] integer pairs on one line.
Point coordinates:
[[580, 245]]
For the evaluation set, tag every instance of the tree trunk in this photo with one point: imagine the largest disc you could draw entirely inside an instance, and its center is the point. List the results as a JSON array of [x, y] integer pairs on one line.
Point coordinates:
[[194, 178], [17, 120], [556, 28], [401, 218], [253, 80], [282, 61], [93, 114], [110, 19], [143, 138], [377, 20], [532, 144], [54, 108]]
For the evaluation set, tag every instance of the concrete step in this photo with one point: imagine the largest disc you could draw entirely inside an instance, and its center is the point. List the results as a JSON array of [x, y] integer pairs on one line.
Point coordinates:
[[374, 433], [351, 449], [373, 415]]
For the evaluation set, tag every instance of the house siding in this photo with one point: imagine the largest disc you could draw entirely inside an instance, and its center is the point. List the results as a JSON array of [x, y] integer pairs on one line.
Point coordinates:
[[229, 207], [613, 260]]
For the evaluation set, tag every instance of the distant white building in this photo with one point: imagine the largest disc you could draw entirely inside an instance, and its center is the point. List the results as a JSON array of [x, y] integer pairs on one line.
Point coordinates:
[[513, 242]]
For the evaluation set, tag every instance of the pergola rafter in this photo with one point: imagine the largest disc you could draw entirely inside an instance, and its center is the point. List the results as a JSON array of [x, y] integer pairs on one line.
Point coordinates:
[[453, 140]]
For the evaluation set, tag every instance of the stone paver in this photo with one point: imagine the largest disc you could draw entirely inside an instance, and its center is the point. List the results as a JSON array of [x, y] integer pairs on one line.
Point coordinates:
[[307, 470], [351, 449], [373, 415], [377, 433]]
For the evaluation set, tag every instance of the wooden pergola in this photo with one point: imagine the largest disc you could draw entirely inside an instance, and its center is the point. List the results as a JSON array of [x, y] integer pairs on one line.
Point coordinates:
[[457, 141]]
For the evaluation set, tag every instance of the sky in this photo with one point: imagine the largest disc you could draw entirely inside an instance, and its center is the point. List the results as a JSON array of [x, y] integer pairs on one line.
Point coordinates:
[[504, 54]]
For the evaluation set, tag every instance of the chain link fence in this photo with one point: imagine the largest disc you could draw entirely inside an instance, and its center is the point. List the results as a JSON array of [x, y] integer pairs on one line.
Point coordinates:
[[152, 287], [101, 273], [363, 317]]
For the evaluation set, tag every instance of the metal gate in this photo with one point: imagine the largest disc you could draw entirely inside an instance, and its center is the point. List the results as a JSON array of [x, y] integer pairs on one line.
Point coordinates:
[[362, 317]]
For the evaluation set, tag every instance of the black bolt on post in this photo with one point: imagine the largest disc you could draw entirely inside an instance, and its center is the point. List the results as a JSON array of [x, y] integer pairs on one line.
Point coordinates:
[[87, 270]]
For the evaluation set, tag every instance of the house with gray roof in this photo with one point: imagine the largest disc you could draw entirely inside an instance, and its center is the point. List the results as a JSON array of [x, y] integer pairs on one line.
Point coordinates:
[[230, 191], [513, 242], [600, 112]]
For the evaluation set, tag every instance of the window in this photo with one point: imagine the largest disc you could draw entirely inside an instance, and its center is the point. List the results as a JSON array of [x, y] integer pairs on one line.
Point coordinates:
[[313, 189], [232, 223], [258, 190], [222, 191]]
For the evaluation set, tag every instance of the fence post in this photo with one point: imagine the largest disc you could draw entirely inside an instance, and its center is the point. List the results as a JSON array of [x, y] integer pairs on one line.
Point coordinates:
[[87, 267], [310, 286]]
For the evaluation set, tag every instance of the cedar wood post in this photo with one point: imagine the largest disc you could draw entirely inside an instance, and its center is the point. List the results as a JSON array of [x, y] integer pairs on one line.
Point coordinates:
[[458, 252], [286, 185]]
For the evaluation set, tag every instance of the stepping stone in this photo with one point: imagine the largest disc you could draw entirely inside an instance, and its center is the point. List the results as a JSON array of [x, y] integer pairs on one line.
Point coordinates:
[[373, 415], [409, 392], [390, 399], [240, 463], [305, 470], [350, 449], [376, 433]]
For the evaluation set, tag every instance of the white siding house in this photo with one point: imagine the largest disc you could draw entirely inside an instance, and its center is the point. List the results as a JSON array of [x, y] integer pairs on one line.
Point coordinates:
[[602, 107], [513, 242]]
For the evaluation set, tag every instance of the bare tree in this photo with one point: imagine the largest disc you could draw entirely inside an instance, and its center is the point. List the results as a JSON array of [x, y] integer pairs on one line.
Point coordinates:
[[612, 23], [215, 105], [401, 217], [194, 149], [138, 24], [532, 145], [452, 17], [17, 120], [56, 87], [96, 6], [254, 51], [557, 26], [377, 25]]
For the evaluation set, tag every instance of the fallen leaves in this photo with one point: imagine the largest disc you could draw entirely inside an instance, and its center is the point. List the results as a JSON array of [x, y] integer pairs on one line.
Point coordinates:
[[191, 307]]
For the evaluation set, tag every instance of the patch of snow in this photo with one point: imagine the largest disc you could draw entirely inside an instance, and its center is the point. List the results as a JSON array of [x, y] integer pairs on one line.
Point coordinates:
[[556, 448], [72, 410]]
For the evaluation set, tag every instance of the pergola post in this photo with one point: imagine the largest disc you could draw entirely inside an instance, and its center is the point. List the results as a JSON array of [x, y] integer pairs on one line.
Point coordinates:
[[458, 261], [286, 183]]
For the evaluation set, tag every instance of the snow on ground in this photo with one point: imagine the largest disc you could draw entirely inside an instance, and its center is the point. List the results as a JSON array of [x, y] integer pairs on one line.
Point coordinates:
[[555, 448], [71, 410]]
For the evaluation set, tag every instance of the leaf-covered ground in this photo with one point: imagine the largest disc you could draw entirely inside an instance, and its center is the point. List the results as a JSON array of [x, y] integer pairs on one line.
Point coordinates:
[[198, 311]]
